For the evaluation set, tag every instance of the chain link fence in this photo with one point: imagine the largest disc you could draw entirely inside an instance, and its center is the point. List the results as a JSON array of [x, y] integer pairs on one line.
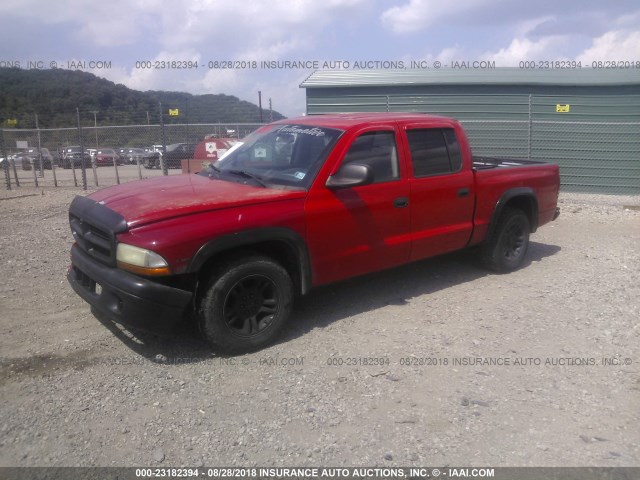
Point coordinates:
[[53, 157], [595, 157]]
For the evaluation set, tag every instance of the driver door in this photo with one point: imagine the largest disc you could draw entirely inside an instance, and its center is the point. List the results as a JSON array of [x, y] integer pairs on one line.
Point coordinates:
[[361, 229]]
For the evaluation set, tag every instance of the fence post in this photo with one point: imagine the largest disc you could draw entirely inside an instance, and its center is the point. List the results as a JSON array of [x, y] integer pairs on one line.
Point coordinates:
[[82, 165], [163, 164], [93, 163], [5, 164], [33, 168], [40, 148], [53, 169], [72, 162], [115, 165], [530, 127], [95, 173]]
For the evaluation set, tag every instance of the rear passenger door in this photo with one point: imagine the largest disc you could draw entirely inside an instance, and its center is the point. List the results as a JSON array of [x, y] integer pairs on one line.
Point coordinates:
[[442, 196]]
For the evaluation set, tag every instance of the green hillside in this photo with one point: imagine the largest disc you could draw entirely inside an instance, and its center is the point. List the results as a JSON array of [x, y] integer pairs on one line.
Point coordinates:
[[55, 94]]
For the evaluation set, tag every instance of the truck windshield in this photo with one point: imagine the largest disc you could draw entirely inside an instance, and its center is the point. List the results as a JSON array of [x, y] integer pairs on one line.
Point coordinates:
[[277, 155]]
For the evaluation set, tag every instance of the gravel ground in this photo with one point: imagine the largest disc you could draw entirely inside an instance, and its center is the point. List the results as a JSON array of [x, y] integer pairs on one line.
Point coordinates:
[[535, 368]]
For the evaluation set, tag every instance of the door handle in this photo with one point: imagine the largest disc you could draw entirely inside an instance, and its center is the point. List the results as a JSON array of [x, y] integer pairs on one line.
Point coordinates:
[[463, 192], [401, 202]]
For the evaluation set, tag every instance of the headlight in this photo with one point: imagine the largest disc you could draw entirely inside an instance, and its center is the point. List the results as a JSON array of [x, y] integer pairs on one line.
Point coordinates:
[[141, 261]]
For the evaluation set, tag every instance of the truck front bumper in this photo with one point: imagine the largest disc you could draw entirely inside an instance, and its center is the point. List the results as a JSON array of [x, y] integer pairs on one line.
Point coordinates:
[[126, 298]]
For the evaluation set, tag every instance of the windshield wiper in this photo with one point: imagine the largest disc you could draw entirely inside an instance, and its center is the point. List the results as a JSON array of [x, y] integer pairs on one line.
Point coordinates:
[[245, 174], [210, 173]]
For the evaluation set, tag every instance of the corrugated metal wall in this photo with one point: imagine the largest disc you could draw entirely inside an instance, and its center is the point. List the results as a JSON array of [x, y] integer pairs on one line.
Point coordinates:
[[596, 143]]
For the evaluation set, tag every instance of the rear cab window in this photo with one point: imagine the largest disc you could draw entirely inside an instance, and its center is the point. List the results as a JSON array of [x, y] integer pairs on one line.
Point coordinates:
[[434, 151]]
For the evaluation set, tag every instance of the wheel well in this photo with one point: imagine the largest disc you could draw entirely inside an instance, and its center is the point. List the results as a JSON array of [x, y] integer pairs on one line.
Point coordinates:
[[280, 251], [528, 205]]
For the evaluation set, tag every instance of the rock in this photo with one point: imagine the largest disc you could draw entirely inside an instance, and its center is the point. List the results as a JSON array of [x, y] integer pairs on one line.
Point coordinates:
[[388, 456], [158, 455], [465, 402]]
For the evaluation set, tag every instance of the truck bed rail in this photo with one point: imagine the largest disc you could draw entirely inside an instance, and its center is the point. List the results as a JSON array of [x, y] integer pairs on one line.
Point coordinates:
[[484, 163]]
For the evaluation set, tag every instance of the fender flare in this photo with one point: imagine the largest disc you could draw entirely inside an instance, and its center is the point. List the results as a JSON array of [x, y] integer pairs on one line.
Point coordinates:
[[246, 238], [505, 198]]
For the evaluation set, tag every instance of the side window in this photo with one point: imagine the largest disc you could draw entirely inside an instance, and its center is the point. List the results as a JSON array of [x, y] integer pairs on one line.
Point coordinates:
[[378, 151], [434, 151]]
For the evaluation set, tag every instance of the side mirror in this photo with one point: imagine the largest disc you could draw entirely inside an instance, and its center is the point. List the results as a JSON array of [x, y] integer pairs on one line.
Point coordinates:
[[351, 175]]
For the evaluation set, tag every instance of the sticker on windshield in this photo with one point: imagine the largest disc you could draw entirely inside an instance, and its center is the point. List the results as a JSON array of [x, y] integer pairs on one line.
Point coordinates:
[[299, 175], [314, 131], [260, 152]]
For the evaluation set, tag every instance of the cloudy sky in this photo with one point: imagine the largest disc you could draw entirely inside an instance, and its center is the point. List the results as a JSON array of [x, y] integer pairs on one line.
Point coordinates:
[[123, 32]]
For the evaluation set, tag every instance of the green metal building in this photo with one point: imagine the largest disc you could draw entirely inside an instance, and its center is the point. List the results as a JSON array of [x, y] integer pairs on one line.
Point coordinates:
[[586, 120]]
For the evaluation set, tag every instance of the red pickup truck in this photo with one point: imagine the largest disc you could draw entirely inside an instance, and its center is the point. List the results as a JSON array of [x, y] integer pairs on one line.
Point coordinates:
[[299, 203]]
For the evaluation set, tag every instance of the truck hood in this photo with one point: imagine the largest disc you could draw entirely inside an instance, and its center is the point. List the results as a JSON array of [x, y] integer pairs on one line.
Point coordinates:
[[148, 201]]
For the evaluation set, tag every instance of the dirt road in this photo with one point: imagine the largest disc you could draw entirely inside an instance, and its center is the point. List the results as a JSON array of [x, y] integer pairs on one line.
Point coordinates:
[[436, 363]]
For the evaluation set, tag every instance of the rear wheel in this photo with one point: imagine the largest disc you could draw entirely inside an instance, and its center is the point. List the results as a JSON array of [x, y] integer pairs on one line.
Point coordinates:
[[246, 305], [506, 249]]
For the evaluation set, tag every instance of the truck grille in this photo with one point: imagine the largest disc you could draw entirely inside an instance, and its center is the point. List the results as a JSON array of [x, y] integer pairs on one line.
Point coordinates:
[[98, 243], [94, 227]]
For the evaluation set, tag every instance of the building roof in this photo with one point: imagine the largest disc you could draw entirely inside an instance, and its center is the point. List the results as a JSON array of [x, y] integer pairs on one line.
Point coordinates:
[[449, 76], [346, 120]]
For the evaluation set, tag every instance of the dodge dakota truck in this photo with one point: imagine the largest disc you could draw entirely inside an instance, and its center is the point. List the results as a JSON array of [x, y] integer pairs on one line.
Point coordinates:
[[299, 203]]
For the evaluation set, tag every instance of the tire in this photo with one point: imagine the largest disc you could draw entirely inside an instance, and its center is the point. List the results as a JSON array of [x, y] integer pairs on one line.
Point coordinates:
[[506, 249], [147, 164], [246, 305]]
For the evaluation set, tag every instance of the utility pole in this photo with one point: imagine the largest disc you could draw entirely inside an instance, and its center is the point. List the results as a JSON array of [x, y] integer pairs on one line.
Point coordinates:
[[270, 111], [260, 104]]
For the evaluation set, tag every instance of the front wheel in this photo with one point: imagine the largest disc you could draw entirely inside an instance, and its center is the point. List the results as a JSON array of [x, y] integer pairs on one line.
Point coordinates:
[[507, 247], [246, 305]]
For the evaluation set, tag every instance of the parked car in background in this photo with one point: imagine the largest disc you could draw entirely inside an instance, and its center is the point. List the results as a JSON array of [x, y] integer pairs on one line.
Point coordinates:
[[72, 156], [132, 155], [35, 157], [107, 157], [173, 157], [18, 160], [21, 160]]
